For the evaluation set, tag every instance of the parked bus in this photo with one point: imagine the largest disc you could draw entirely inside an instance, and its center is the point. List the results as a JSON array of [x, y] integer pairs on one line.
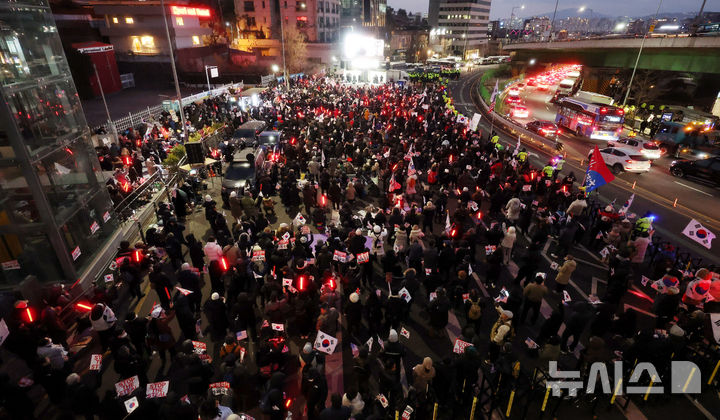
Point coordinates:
[[593, 97], [592, 120]]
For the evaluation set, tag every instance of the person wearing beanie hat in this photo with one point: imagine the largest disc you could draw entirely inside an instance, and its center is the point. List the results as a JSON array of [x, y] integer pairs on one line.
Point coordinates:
[[311, 357], [353, 314], [500, 332], [393, 349], [423, 374]]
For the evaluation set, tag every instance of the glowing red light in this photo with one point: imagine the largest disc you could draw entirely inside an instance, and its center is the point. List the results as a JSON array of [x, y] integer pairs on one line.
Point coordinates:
[[167, 293], [331, 283], [223, 263], [301, 283], [127, 160], [28, 312], [67, 149], [83, 306], [138, 255], [451, 159], [323, 200], [189, 11], [288, 403]]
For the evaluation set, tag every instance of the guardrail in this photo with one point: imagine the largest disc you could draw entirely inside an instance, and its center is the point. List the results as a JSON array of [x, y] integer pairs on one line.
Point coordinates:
[[150, 113]]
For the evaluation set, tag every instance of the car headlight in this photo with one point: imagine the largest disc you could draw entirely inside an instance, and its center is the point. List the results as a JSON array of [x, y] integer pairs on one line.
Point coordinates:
[[673, 163]]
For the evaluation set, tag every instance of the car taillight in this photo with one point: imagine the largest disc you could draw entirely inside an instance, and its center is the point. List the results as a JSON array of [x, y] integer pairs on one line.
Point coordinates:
[[630, 161]]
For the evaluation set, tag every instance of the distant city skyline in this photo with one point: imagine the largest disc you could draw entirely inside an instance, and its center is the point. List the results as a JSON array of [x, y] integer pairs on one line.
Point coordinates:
[[501, 9]]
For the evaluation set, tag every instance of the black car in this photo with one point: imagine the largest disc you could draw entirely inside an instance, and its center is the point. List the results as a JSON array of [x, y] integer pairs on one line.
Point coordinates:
[[707, 169], [239, 174], [544, 128]]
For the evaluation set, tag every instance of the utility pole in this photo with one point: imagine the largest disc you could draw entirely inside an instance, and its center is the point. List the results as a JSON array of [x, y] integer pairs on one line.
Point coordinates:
[[637, 59], [174, 72]]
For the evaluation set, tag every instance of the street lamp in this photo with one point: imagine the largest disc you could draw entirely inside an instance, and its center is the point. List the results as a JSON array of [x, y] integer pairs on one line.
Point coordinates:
[[637, 59], [552, 22], [174, 71], [275, 68], [282, 41], [581, 9]]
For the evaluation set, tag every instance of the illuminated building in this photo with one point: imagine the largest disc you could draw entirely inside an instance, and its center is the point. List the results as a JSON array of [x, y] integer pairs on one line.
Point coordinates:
[[137, 31], [463, 26], [259, 20]]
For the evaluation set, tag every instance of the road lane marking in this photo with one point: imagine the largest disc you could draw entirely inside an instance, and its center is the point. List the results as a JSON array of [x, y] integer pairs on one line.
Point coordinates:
[[623, 184], [693, 188]]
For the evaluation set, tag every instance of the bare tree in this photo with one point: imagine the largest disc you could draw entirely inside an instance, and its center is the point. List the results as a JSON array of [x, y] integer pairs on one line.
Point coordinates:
[[645, 87], [295, 50]]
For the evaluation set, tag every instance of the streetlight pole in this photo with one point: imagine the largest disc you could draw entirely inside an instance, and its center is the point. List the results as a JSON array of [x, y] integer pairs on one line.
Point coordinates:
[[637, 59], [282, 42], [174, 71], [107, 111], [552, 22]]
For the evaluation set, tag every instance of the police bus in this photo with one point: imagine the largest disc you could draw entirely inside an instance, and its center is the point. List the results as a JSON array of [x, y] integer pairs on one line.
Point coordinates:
[[589, 119]]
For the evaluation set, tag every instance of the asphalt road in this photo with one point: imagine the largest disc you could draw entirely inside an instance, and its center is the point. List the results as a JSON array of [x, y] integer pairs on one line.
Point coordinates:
[[655, 191]]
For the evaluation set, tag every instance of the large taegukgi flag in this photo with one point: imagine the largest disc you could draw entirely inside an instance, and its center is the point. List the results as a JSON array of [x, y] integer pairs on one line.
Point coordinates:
[[699, 233], [597, 173]]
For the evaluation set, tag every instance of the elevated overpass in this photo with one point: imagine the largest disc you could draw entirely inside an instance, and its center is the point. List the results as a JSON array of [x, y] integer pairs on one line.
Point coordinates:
[[682, 54]]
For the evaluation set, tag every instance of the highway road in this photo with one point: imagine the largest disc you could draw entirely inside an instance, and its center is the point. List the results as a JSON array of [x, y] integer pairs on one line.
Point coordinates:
[[655, 191]]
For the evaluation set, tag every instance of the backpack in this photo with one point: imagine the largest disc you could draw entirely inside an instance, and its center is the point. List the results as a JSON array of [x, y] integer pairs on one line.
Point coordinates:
[[475, 311]]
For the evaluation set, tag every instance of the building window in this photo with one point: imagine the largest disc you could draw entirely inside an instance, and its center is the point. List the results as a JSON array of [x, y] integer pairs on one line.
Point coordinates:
[[196, 40], [129, 20], [250, 6], [143, 44], [285, 4], [263, 4], [320, 6], [115, 20], [179, 21]]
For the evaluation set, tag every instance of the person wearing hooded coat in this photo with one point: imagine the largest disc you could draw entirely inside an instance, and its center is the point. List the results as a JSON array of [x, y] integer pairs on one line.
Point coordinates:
[[423, 374], [217, 319], [438, 310]]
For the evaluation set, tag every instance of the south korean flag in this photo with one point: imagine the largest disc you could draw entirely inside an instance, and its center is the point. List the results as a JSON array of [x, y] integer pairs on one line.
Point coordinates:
[[699, 233], [325, 343]]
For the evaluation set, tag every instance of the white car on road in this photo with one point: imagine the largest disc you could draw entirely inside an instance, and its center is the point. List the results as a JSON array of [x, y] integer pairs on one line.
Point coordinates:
[[647, 148], [624, 159]]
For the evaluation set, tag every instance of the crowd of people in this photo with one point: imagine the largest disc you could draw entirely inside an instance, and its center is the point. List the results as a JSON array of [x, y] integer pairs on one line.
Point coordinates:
[[395, 209]]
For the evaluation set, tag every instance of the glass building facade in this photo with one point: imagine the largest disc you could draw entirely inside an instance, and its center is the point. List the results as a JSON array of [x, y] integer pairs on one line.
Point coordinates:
[[55, 211]]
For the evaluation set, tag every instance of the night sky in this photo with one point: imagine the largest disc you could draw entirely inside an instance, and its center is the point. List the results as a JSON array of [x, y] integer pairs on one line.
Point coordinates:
[[501, 9]]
